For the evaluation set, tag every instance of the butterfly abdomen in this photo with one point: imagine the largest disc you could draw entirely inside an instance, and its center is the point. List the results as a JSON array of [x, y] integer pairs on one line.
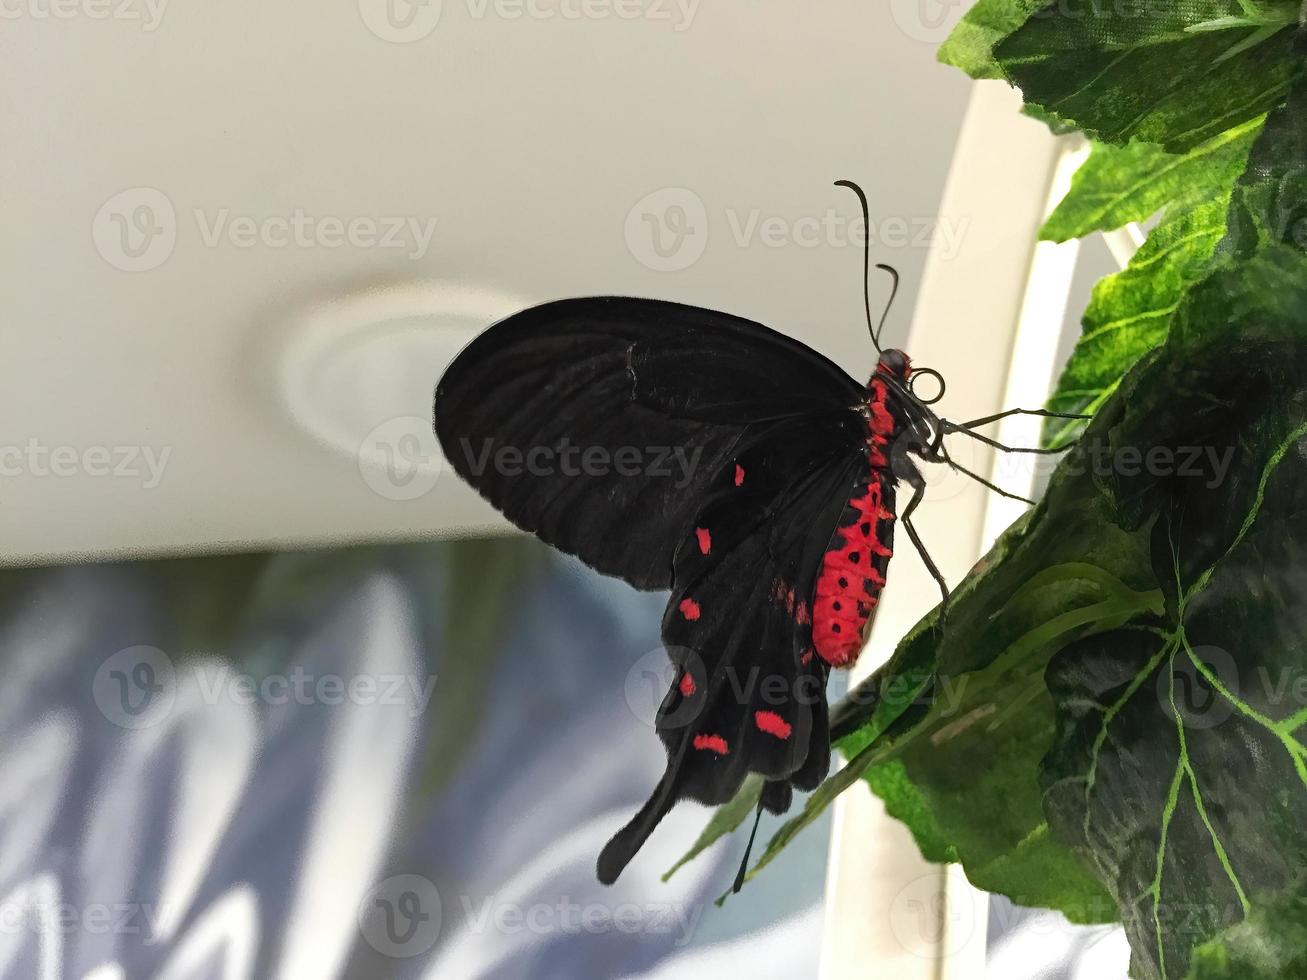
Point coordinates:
[[854, 566]]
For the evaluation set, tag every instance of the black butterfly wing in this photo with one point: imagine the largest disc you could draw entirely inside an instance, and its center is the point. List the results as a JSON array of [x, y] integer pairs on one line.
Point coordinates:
[[657, 394], [749, 694]]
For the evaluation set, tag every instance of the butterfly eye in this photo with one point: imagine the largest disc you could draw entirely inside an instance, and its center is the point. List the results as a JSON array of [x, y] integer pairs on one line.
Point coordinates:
[[934, 390]]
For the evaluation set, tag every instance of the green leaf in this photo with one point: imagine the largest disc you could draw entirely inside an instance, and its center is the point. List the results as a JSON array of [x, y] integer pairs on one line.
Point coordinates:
[[974, 757], [1121, 184], [1269, 945], [971, 45], [1180, 769], [1270, 200], [726, 819], [1130, 312], [905, 802], [1138, 70]]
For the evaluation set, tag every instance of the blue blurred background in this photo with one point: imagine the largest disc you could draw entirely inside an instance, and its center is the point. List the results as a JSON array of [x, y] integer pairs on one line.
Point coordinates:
[[374, 762]]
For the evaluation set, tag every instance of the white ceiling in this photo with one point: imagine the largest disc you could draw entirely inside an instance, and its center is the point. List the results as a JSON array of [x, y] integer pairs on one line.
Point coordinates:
[[529, 140]]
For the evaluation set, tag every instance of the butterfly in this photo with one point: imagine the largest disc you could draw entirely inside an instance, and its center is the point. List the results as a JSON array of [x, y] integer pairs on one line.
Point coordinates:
[[689, 450]]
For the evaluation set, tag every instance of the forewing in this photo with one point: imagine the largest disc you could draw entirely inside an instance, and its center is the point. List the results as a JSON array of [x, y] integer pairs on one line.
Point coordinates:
[[599, 423]]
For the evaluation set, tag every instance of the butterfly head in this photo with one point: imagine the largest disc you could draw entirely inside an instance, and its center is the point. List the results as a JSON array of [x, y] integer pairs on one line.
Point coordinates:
[[896, 364]]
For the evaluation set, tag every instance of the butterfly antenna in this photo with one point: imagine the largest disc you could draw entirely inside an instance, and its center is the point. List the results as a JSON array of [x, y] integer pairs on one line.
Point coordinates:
[[872, 328], [889, 305]]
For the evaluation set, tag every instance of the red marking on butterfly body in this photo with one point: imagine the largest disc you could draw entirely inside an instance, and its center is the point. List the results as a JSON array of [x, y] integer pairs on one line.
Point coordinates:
[[690, 609], [711, 743], [853, 570], [773, 724]]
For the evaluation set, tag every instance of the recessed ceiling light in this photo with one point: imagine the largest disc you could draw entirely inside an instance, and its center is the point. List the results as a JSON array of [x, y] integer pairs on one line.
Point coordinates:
[[358, 372]]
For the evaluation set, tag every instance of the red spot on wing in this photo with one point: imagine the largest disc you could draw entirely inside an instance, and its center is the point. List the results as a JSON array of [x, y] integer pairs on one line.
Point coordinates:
[[739, 475], [772, 723], [705, 539], [690, 609], [711, 743], [687, 685]]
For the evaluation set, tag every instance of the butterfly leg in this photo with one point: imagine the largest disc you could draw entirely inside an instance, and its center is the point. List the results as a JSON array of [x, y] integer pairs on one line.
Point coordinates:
[[1041, 412], [940, 454], [985, 483], [909, 474], [965, 428], [951, 427]]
